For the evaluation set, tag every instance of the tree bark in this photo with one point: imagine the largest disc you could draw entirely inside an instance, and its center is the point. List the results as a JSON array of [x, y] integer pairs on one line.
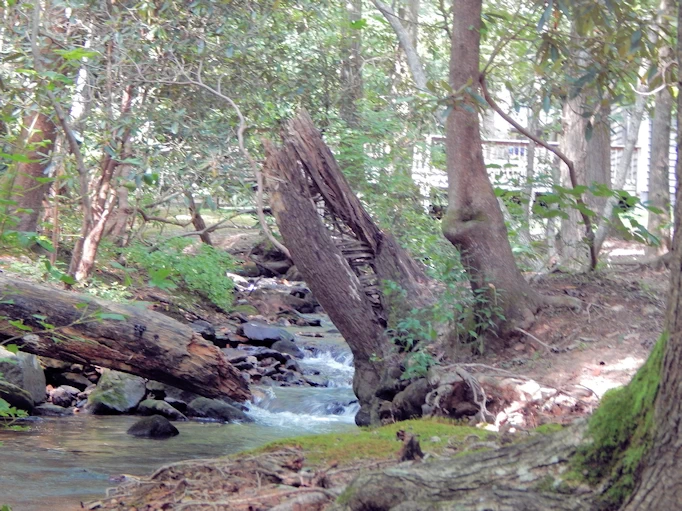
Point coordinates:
[[504, 479], [351, 66], [405, 39], [197, 220], [474, 222], [659, 166], [343, 256], [39, 135], [146, 343], [660, 484]]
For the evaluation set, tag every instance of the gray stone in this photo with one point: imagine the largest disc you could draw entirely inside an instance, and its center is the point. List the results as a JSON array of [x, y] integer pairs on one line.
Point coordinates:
[[203, 328], [24, 371], [215, 409], [52, 410], [288, 347], [177, 397], [61, 397], [155, 426], [116, 392], [16, 396], [265, 333], [156, 407], [72, 379]]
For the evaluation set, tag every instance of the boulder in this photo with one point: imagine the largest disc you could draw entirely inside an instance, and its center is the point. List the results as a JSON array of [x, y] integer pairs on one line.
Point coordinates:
[[265, 353], [154, 426], [215, 409], [265, 334], [16, 396], [24, 371], [52, 410], [156, 407], [116, 392], [288, 347], [61, 397]]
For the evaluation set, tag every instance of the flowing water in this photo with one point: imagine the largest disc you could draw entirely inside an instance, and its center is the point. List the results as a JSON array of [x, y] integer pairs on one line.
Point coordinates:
[[57, 463]]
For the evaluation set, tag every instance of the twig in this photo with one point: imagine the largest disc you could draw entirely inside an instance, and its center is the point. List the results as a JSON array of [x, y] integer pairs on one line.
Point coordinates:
[[547, 346]]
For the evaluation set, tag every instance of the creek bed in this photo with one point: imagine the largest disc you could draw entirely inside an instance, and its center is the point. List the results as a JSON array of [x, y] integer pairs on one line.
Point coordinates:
[[59, 462]]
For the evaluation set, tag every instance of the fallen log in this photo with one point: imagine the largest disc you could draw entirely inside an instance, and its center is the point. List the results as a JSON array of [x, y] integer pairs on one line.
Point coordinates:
[[82, 329]]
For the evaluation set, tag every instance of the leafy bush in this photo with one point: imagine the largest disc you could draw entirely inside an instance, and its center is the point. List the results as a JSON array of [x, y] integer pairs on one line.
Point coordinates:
[[201, 270]]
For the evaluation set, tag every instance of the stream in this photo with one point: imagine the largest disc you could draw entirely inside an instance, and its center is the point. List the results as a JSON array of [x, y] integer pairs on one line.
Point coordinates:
[[58, 462]]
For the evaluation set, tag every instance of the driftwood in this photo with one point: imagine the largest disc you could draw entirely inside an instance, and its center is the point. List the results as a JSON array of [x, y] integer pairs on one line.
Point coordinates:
[[342, 254], [524, 476], [80, 329]]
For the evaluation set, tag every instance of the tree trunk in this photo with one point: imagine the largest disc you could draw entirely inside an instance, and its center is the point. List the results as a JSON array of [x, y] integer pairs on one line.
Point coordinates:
[[473, 222], [660, 484], [197, 219], [508, 479], [145, 343], [659, 166], [343, 256], [592, 162], [625, 164], [38, 136], [351, 65]]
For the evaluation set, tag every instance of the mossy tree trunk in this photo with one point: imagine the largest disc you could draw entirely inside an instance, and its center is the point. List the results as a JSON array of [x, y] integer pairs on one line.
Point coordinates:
[[660, 484]]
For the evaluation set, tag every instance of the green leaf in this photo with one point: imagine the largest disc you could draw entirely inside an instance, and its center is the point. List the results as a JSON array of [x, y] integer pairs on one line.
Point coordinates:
[[68, 280], [111, 316], [358, 24], [545, 15], [75, 53], [19, 158], [635, 40], [19, 324], [12, 348]]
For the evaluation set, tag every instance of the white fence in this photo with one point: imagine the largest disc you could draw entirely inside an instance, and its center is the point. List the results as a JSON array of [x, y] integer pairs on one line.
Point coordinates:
[[507, 162]]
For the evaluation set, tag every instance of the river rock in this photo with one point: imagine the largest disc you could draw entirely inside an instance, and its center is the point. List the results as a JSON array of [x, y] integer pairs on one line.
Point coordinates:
[[24, 371], [156, 407], [265, 334], [288, 347], [204, 407], [204, 328], [51, 410], [262, 354], [116, 392], [178, 398], [16, 396], [61, 397], [72, 379], [155, 426]]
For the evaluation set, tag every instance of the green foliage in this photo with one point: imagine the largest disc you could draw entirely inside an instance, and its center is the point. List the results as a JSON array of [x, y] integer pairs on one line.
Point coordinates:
[[9, 414], [622, 432], [199, 269]]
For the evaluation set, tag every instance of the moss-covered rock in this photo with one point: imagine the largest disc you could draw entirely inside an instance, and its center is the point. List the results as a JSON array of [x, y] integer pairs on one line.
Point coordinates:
[[16, 396], [116, 392]]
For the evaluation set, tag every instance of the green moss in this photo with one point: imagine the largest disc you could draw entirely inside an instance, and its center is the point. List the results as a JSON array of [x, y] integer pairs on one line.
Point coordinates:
[[378, 443], [621, 431], [548, 429]]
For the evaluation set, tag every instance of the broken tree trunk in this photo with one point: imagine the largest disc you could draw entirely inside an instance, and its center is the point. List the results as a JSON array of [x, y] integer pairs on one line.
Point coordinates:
[[141, 342], [526, 475], [343, 256]]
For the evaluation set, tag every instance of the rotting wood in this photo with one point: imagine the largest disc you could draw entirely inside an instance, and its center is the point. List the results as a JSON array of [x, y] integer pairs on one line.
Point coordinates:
[[146, 343]]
